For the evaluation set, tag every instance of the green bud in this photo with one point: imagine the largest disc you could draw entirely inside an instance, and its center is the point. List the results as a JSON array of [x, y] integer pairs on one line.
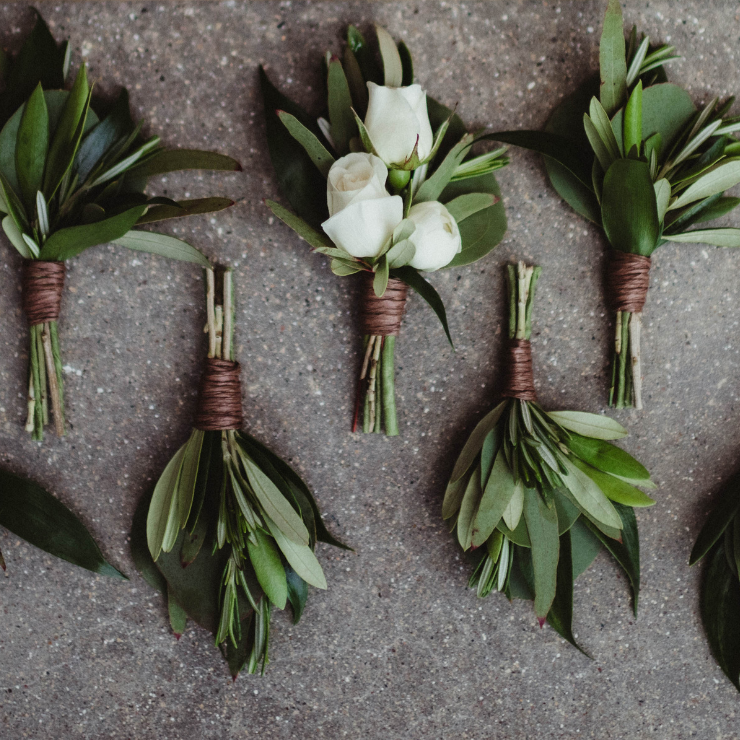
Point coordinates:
[[398, 179]]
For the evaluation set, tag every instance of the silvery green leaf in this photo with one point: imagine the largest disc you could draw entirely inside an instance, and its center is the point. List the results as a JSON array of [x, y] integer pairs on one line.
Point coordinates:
[[475, 441], [364, 135], [634, 69], [726, 237], [43, 213], [342, 267], [703, 117], [309, 141], [600, 149], [513, 511], [403, 231], [392, 66], [300, 557], [496, 498], [466, 205], [603, 126], [16, 238], [419, 178], [325, 127], [589, 496], [382, 273], [401, 254], [35, 249], [468, 510], [315, 238], [662, 197], [162, 523], [695, 143], [612, 58], [716, 181], [128, 162], [162, 245], [589, 425]]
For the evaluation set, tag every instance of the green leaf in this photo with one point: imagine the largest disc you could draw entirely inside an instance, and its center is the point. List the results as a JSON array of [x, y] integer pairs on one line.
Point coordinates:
[[720, 606], [414, 280], [13, 204], [275, 505], [184, 208], [454, 495], [723, 512], [601, 151], [178, 616], [607, 457], [355, 81], [177, 160], [67, 243], [513, 512], [602, 124], [614, 488], [662, 197], [475, 441], [720, 206], [612, 59], [33, 514], [297, 593], [365, 56], [127, 163], [315, 238], [67, 133], [31, 147], [265, 559], [466, 205], [727, 237], [189, 476], [589, 425], [718, 180], [559, 148], [140, 550], [567, 512], [300, 182], [589, 496], [633, 122], [16, 238], [392, 67], [468, 509], [309, 141], [433, 186], [626, 552], [484, 230], [162, 523], [160, 244], [560, 616], [496, 498], [400, 254], [542, 525], [407, 64], [629, 210], [300, 557], [340, 107], [380, 280], [585, 546]]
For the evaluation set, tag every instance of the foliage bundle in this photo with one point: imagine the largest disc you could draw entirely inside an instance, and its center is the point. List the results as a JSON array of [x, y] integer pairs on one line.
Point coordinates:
[[643, 163], [719, 542], [536, 495], [385, 186], [229, 530], [73, 177]]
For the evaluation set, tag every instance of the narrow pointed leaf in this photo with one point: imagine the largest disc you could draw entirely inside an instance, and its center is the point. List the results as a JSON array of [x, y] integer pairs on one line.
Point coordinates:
[[300, 557], [32, 145], [177, 160], [267, 565], [612, 59], [589, 425], [162, 245], [309, 141], [475, 441], [542, 525], [392, 66], [721, 237], [723, 512]]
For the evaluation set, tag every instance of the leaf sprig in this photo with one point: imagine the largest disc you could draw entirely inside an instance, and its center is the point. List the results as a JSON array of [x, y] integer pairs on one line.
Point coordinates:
[[540, 493], [229, 530]]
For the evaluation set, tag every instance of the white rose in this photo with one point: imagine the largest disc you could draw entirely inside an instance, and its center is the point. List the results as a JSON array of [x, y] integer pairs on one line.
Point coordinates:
[[436, 237], [354, 178], [364, 227], [396, 118]]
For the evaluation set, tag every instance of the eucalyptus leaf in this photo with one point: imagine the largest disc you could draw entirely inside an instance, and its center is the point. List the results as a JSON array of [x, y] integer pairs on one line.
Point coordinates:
[[607, 457], [16, 238]]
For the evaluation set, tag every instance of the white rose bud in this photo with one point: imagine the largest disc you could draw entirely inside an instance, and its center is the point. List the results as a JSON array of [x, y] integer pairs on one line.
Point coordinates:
[[363, 213], [436, 237], [396, 118]]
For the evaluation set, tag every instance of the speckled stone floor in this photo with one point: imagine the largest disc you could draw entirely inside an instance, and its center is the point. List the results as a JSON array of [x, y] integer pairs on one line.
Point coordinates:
[[398, 647]]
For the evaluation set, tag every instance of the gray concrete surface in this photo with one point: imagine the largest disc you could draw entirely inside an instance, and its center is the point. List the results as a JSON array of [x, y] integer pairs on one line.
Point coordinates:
[[398, 648]]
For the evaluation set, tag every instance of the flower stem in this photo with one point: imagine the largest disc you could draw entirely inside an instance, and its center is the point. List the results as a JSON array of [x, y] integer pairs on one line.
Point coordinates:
[[40, 353], [388, 378], [52, 378]]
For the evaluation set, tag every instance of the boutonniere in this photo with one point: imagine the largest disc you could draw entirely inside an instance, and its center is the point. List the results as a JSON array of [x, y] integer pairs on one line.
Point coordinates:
[[230, 529], [719, 542], [635, 156], [33, 514], [73, 176], [386, 187], [535, 495]]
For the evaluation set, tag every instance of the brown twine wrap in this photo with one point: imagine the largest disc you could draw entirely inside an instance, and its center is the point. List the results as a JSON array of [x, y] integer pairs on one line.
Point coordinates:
[[220, 397], [519, 378], [381, 317], [42, 284], [628, 278]]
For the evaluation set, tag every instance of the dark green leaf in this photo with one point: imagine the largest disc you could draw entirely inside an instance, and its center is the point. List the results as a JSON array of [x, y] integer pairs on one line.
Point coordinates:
[[66, 243], [614, 488], [718, 208], [496, 497], [612, 59], [316, 151], [184, 208], [177, 160], [300, 182], [414, 280], [467, 205], [629, 210], [720, 607], [178, 617], [585, 546], [542, 525], [626, 552], [340, 107], [633, 122], [36, 516], [407, 64], [31, 148], [723, 512], [366, 59], [560, 616], [297, 593], [607, 457], [439, 115], [433, 186], [484, 230]]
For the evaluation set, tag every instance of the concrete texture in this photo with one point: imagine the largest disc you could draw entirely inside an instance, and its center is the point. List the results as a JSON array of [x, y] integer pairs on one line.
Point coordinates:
[[398, 647]]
